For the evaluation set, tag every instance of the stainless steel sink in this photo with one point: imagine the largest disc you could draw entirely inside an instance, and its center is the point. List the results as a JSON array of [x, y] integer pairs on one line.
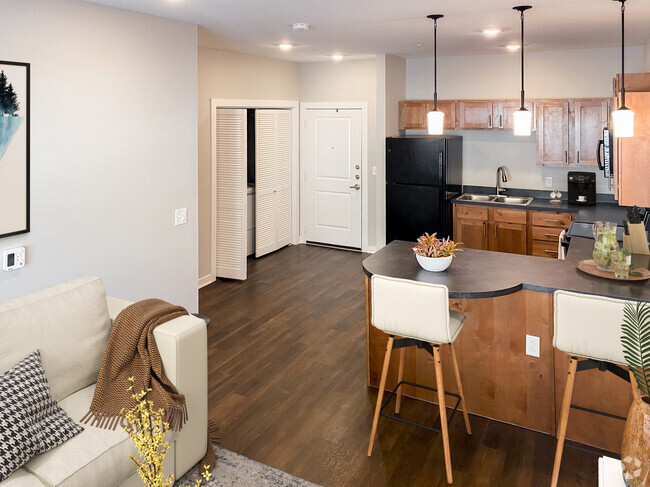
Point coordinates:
[[512, 200], [494, 199], [485, 198]]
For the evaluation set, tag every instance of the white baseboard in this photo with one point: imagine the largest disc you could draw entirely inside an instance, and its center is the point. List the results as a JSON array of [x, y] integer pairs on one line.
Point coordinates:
[[370, 249], [205, 280]]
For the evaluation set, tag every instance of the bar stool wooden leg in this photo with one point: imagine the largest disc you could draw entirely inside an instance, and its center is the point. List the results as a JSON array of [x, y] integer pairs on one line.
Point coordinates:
[[443, 410], [564, 417], [400, 376], [380, 394], [460, 389]]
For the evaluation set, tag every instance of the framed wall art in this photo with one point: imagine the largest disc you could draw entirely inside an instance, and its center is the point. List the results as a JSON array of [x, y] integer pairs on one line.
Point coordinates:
[[14, 148]]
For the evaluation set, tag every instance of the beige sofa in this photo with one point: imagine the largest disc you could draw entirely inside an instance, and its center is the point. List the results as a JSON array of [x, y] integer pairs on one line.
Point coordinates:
[[70, 323]]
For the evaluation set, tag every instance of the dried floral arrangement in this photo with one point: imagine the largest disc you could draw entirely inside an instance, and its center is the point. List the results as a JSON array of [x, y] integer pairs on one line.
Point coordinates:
[[147, 430], [430, 246]]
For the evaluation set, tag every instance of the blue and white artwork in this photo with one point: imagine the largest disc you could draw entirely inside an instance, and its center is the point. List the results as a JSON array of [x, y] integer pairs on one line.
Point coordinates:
[[14, 148]]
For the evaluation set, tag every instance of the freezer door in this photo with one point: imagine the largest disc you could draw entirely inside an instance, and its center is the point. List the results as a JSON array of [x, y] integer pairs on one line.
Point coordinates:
[[412, 210], [415, 161]]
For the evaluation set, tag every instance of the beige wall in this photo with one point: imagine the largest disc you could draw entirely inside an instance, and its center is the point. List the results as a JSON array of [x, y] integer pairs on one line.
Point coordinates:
[[555, 74], [113, 149], [647, 56], [232, 76], [349, 81]]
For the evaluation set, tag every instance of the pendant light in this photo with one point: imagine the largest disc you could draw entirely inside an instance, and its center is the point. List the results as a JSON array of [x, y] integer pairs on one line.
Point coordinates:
[[623, 117], [523, 118], [435, 118]]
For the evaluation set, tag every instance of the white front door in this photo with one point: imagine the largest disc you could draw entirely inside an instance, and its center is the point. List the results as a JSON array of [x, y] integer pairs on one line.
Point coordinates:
[[333, 177]]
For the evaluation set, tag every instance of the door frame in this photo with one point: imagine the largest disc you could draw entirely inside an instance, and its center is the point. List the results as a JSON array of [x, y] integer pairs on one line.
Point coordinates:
[[363, 106], [294, 106]]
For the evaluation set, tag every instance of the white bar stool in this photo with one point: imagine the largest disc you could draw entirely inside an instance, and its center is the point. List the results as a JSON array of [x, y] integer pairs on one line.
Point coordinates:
[[420, 313], [588, 329]]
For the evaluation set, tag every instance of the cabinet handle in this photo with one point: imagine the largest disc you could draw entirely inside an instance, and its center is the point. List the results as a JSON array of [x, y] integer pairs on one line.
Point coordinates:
[[551, 251], [489, 121], [551, 235], [577, 157], [484, 228], [495, 231], [566, 156], [500, 121], [551, 221]]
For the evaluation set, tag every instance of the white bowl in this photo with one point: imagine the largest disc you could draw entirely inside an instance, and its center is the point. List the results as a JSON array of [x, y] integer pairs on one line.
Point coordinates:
[[434, 264]]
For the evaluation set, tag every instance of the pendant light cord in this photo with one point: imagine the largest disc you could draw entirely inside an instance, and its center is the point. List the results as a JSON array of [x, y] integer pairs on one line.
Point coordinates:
[[522, 60], [622, 53], [435, 64]]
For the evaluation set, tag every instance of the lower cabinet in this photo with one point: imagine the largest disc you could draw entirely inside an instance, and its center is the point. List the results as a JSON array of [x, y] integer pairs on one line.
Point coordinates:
[[508, 230]]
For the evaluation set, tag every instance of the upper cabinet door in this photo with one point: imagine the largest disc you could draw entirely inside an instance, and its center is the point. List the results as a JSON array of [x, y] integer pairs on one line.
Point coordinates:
[[504, 114], [634, 154], [590, 118], [476, 115], [448, 107], [413, 114], [552, 132]]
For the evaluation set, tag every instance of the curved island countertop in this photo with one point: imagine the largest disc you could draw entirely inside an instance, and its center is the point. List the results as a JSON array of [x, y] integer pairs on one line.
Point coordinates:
[[484, 274]]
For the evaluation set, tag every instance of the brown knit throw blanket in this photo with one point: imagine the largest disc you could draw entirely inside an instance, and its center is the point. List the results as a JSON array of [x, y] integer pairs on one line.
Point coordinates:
[[132, 352]]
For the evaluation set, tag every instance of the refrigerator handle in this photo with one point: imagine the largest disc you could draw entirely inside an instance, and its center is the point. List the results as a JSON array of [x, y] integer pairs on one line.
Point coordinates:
[[440, 164], [598, 159]]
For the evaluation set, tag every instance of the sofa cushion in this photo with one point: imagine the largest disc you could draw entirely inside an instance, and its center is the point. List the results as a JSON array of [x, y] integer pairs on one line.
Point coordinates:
[[69, 323], [20, 478], [96, 457], [31, 421]]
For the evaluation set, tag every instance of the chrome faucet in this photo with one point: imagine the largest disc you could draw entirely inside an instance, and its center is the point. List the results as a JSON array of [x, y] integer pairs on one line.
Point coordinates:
[[504, 179]]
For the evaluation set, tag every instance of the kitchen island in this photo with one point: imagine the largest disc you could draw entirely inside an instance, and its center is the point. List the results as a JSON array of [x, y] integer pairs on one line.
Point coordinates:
[[506, 297]]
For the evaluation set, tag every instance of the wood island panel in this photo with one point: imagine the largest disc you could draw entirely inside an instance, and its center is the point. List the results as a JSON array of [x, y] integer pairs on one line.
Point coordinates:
[[499, 380]]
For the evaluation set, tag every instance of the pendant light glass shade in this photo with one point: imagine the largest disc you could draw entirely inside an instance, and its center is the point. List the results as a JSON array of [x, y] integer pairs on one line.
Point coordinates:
[[435, 122], [523, 122], [435, 118], [623, 119]]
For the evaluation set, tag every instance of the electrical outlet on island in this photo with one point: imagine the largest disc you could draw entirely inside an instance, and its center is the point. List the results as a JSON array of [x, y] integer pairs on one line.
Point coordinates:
[[532, 346]]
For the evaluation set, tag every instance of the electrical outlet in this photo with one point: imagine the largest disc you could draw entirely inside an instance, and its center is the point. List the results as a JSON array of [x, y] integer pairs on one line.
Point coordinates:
[[532, 346], [374, 170], [548, 182], [180, 216]]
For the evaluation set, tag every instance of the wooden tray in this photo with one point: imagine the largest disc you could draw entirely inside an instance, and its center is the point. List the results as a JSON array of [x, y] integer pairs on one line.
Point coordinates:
[[589, 267]]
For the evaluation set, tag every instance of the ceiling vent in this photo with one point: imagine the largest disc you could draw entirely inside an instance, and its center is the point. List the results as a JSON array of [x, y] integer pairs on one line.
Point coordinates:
[[301, 26]]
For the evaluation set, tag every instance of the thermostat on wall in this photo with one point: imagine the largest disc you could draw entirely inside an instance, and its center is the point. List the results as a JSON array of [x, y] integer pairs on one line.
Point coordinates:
[[13, 259]]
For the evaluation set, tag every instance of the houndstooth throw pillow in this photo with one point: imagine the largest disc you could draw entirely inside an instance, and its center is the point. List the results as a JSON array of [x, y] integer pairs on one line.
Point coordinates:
[[31, 421]]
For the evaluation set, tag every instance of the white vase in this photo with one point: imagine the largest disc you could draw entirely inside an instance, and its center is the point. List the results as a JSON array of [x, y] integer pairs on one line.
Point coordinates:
[[434, 264]]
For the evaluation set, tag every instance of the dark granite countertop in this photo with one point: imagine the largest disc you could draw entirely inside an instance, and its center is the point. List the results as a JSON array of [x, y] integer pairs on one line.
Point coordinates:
[[485, 274]]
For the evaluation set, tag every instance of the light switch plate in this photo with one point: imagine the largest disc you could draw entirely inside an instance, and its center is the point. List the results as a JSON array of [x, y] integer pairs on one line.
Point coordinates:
[[180, 216], [13, 259], [548, 182], [532, 346]]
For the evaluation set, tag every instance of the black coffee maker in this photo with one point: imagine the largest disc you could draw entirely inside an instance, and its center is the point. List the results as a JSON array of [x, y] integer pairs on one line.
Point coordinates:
[[582, 188]]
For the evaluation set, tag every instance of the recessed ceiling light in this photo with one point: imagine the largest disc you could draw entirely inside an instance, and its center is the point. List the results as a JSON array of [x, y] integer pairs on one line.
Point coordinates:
[[337, 57], [513, 47], [285, 46], [492, 31]]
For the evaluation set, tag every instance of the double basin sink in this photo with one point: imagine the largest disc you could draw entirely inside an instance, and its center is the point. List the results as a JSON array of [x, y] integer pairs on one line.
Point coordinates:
[[494, 199]]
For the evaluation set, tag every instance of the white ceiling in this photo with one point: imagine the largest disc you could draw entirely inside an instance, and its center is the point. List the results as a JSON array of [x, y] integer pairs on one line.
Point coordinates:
[[363, 28]]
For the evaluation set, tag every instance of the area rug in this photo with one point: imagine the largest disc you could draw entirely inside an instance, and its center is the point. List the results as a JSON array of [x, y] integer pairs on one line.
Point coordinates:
[[235, 470]]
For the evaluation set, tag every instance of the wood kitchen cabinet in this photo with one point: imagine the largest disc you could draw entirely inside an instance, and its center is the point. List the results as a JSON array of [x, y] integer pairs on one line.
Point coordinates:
[[476, 115], [413, 114], [503, 114], [552, 132], [589, 119], [507, 231], [471, 226], [544, 232], [632, 155]]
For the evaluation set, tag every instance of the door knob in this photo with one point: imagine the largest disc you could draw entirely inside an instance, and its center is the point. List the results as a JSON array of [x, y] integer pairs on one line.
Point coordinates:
[[356, 186], [357, 166]]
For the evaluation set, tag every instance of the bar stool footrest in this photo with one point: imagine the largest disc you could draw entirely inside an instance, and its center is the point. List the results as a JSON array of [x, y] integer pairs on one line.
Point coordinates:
[[419, 425]]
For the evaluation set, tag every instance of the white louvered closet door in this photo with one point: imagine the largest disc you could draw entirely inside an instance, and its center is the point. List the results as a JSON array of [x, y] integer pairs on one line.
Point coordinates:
[[272, 180], [231, 193]]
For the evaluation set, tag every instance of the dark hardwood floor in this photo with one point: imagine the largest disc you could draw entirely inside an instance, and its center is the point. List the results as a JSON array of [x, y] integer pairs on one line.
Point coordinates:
[[287, 388]]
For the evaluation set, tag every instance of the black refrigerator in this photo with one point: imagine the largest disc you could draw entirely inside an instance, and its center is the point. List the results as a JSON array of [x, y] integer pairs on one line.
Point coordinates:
[[423, 174]]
